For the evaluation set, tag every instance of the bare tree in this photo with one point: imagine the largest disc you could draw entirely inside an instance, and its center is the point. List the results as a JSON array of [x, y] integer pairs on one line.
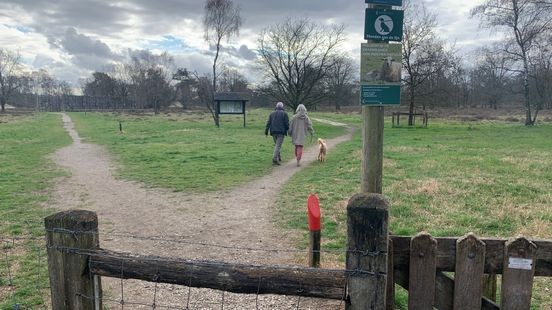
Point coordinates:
[[296, 55], [221, 20], [424, 55], [541, 75], [205, 91], [233, 81], [185, 87], [339, 80], [64, 88], [47, 83], [490, 76], [121, 74], [101, 84], [523, 21], [150, 77], [10, 67]]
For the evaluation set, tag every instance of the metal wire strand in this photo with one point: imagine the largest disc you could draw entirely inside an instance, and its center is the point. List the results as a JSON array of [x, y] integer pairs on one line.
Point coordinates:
[[189, 291], [122, 285], [257, 295]]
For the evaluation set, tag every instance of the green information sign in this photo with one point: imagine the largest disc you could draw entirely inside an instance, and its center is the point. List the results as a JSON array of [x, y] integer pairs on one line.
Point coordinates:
[[380, 95], [383, 25], [380, 74]]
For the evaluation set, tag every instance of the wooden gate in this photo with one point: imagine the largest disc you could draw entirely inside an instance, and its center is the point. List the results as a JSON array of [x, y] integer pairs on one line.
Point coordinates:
[[422, 264]]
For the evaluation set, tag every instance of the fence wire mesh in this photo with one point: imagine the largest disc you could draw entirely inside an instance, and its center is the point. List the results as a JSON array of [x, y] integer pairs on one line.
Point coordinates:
[[24, 273]]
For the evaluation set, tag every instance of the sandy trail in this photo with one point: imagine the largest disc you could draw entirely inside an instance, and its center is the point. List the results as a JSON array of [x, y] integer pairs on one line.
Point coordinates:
[[239, 218]]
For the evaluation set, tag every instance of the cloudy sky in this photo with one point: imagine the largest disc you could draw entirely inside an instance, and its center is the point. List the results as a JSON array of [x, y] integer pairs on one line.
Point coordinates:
[[72, 38]]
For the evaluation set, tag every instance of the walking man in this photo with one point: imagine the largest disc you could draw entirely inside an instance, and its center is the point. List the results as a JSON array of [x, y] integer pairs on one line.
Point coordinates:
[[278, 124]]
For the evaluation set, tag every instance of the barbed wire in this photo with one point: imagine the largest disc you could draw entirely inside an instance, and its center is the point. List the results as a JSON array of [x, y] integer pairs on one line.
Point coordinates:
[[220, 246]]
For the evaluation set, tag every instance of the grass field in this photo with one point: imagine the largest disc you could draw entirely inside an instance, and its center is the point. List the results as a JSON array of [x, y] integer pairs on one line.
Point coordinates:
[[25, 177], [185, 152], [492, 178]]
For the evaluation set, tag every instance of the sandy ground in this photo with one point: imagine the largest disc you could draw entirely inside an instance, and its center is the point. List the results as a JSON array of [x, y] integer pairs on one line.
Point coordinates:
[[234, 221]]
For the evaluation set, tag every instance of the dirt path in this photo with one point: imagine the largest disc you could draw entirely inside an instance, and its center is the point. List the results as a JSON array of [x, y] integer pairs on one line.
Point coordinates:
[[236, 219]]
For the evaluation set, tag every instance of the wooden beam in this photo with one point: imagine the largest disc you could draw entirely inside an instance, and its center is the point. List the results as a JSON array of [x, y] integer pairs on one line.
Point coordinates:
[[236, 278]]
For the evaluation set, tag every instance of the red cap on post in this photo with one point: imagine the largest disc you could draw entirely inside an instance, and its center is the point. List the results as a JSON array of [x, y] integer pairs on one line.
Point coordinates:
[[313, 208]]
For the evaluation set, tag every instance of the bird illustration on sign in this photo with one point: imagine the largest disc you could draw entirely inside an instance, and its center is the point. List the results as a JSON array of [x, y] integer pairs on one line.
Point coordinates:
[[384, 25]]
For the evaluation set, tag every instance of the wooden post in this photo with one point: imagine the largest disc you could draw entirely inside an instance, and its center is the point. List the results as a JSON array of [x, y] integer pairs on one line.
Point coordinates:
[[367, 244], [423, 266], [372, 149], [470, 264], [314, 221], [314, 249], [517, 274], [372, 144], [71, 285]]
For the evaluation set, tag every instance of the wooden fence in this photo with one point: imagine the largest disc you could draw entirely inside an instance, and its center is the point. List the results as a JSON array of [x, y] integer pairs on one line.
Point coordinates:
[[421, 264], [72, 103]]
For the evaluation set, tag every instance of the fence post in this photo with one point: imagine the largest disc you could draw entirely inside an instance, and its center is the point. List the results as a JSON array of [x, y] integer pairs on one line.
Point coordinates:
[[71, 284], [367, 244], [422, 272], [517, 274], [313, 208]]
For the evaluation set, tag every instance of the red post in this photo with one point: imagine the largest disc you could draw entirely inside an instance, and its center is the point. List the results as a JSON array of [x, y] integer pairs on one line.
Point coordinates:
[[314, 213]]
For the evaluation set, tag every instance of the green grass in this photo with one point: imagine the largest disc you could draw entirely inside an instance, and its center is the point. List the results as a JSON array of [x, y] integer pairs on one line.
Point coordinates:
[[489, 178], [185, 152], [25, 178]]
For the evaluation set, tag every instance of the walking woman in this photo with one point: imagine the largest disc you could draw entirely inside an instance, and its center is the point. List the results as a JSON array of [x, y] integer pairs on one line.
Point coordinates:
[[298, 127]]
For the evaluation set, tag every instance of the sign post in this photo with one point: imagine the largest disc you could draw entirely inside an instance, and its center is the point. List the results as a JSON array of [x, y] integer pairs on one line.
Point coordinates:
[[380, 85]]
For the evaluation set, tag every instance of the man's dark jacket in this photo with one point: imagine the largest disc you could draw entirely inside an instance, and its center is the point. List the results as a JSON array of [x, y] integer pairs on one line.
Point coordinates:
[[278, 122]]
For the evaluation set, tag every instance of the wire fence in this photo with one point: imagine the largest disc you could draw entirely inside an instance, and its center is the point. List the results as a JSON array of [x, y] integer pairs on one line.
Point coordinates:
[[24, 282], [23, 273]]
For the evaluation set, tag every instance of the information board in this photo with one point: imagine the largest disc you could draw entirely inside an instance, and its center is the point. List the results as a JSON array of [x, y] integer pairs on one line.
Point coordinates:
[[231, 107], [380, 74]]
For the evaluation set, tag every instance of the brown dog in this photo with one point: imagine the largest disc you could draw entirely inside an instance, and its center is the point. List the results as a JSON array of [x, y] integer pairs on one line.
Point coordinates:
[[322, 147]]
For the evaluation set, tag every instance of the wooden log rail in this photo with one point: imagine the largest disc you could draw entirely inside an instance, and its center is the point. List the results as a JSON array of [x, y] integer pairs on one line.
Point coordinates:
[[236, 278]]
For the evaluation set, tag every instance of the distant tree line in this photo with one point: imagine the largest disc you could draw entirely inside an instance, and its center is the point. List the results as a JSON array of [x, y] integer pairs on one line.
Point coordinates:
[[302, 62]]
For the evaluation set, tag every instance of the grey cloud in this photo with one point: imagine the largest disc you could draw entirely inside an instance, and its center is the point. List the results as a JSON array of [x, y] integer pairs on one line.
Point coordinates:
[[53, 17], [242, 52], [41, 61], [86, 52], [91, 62], [76, 44], [246, 53], [194, 62]]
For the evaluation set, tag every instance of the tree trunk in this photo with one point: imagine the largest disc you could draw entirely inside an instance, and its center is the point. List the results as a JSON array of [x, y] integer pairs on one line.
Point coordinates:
[[2, 105], [528, 120], [216, 117]]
